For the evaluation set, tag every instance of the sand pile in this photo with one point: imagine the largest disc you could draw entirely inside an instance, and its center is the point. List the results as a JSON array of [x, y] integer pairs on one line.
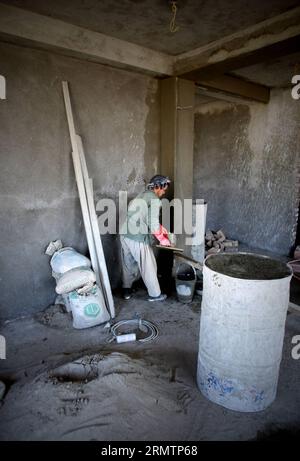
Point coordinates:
[[99, 397]]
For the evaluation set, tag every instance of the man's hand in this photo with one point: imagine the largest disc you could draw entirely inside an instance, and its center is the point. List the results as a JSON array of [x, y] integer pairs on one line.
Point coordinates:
[[162, 236], [164, 231], [165, 242]]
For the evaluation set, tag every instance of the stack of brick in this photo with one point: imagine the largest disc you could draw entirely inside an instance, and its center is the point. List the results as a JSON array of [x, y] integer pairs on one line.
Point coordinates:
[[216, 242]]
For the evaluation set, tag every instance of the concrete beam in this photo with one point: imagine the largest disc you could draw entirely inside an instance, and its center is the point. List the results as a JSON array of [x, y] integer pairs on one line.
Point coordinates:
[[38, 31], [205, 65], [274, 37], [217, 95], [229, 88]]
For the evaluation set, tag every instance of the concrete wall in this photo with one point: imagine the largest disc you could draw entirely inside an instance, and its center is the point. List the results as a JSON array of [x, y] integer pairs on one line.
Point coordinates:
[[117, 114], [245, 166]]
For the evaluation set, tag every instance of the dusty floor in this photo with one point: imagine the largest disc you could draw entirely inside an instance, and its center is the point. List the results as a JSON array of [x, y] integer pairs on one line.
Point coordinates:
[[142, 391]]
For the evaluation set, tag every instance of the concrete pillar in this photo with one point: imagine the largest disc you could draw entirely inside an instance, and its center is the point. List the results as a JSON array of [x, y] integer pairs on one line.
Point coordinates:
[[177, 138]]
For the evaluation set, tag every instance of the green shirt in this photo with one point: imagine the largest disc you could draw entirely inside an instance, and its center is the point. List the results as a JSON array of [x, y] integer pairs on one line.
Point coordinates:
[[142, 217]]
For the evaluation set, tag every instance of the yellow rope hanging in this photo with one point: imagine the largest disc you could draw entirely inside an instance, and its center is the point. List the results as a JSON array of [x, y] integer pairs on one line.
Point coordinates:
[[173, 28]]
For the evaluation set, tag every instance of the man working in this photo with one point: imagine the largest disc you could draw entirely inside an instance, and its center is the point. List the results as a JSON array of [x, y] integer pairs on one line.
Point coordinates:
[[138, 232]]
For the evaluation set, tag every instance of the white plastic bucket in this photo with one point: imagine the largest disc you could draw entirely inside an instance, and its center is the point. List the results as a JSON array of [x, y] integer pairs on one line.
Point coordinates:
[[244, 307], [185, 282]]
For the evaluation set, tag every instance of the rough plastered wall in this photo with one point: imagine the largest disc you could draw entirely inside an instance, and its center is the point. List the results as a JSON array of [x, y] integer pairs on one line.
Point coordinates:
[[246, 168], [117, 114]]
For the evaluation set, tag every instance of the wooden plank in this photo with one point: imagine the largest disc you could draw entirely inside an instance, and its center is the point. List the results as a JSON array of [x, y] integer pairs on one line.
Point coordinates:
[[81, 187], [162, 247], [95, 230]]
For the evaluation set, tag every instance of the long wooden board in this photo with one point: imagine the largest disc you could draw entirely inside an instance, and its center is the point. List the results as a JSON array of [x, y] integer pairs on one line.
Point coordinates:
[[95, 230], [81, 188], [79, 180], [162, 247]]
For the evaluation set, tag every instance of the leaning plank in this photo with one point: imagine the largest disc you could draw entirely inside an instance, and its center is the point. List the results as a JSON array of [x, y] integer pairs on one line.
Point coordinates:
[[95, 230], [81, 188]]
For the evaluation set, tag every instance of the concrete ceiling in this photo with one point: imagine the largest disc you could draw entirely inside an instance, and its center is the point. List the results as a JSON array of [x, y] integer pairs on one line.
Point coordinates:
[[146, 22]]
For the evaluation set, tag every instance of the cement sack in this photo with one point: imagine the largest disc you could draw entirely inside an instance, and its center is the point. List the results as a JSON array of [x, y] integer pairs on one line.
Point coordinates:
[[67, 303], [75, 278], [66, 259], [53, 247], [87, 309]]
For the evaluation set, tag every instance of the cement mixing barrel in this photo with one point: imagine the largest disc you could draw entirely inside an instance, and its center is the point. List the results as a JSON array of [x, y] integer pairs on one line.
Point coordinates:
[[244, 307]]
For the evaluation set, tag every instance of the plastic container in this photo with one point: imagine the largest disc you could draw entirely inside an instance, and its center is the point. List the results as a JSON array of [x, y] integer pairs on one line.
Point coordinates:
[[185, 280], [244, 307]]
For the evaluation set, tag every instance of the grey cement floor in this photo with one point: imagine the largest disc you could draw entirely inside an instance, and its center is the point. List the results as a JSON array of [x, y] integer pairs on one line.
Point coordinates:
[[144, 391]]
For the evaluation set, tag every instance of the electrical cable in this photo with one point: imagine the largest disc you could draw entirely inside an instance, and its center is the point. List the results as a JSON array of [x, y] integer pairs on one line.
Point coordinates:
[[135, 323]]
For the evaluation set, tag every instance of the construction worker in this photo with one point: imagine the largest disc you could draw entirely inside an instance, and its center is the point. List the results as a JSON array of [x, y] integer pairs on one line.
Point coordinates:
[[140, 230]]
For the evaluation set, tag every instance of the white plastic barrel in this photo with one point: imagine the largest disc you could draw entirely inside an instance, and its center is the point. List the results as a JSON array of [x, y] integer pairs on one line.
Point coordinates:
[[244, 307]]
